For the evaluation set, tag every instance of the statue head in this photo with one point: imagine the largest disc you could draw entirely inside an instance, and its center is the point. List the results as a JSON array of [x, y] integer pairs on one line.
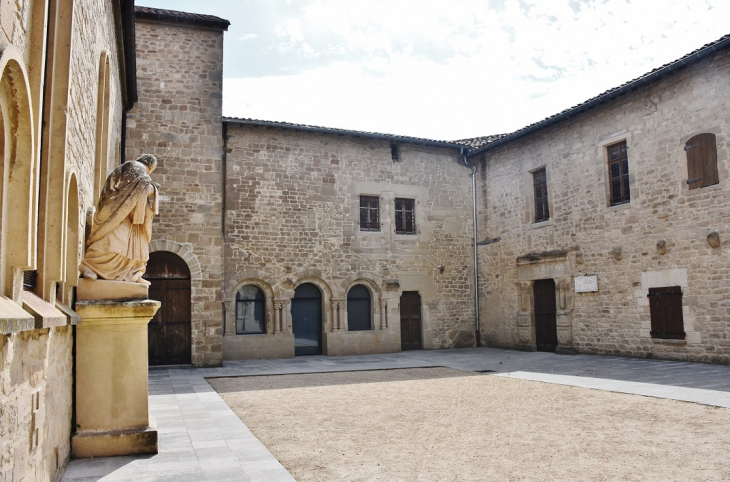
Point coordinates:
[[148, 160]]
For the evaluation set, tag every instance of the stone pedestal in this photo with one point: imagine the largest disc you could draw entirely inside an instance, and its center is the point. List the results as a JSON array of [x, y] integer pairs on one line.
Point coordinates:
[[112, 413]]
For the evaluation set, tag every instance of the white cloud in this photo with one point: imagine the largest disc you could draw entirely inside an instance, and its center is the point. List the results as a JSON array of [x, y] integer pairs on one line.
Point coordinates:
[[457, 69]]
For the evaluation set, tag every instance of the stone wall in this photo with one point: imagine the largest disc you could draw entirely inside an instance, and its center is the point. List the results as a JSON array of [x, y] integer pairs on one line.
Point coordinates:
[[36, 379], [618, 243], [292, 216], [178, 119]]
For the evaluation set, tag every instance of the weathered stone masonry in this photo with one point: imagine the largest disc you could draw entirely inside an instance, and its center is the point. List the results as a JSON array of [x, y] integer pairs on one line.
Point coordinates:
[[292, 215], [618, 243], [178, 119]]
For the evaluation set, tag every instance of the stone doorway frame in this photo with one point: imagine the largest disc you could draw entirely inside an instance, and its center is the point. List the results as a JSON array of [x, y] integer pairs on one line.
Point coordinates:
[[548, 265]]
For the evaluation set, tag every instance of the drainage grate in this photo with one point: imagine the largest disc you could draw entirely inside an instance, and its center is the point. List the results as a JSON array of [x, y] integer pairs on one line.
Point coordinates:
[[485, 371]]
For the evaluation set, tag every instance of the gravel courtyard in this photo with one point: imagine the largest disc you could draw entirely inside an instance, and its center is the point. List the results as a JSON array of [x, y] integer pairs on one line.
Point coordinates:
[[441, 424]]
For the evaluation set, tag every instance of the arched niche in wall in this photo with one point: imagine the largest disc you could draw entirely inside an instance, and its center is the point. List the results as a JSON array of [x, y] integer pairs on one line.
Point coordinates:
[[17, 196], [72, 241], [52, 221]]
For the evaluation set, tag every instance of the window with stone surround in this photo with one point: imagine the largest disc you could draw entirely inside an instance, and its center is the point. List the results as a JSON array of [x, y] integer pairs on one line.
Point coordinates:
[[665, 307], [702, 161], [618, 173], [250, 311], [539, 182], [369, 213], [359, 309], [405, 216]]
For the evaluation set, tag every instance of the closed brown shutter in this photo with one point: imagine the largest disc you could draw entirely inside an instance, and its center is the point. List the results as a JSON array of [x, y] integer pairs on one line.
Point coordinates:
[[702, 161], [665, 306]]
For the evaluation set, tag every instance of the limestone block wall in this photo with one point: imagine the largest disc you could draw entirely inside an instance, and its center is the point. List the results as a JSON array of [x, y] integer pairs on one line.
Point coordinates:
[[178, 119], [36, 378], [585, 235], [292, 214]]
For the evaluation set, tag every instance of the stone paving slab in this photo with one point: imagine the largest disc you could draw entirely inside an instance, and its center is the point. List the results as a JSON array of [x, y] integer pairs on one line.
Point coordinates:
[[200, 438]]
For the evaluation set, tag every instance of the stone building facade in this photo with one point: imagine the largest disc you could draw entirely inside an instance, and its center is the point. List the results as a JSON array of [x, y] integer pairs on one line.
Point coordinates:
[[64, 83], [256, 209], [293, 216], [178, 119], [670, 229]]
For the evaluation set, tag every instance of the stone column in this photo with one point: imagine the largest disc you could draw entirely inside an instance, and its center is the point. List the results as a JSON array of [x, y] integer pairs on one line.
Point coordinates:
[[342, 315], [277, 317], [564, 294], [111, 379], [383, 314]]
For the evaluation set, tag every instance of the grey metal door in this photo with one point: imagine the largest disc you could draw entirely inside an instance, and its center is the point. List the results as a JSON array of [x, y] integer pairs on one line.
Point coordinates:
[[306, 313]]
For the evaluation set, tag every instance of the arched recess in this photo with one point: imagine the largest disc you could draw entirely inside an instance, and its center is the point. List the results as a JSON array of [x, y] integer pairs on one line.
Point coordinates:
[[372, 283], [52, 222], [230, 304], [72, 240], [101, 160], [307, 320], [196, 274], [19, 175]]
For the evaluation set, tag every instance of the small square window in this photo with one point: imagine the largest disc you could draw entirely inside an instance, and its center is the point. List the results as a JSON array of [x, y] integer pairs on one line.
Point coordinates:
[[539, 181], [405, 216], [394, 152], [618, 171], [369, 213]]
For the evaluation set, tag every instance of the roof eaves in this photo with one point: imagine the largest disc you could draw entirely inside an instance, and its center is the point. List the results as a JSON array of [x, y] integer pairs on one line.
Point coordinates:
[[346, 132], [174, 16], [611, 94]]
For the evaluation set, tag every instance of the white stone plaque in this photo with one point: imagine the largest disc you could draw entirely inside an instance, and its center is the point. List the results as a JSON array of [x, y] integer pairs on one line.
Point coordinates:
[[586, 284]]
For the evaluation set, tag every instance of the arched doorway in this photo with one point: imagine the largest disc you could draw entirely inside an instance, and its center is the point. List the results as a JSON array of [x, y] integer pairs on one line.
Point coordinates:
[[306, 314], [169, 339]]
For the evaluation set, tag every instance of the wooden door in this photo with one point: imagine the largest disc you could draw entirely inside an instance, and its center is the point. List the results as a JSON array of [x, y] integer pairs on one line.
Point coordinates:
[[169, 340], [306, 314], [546, 328], [410, 321]]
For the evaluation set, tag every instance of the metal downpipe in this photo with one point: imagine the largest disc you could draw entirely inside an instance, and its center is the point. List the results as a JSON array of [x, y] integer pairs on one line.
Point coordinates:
[[473, 168]]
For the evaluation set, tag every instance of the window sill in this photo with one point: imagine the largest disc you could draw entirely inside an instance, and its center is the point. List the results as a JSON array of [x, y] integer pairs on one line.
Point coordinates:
[[541, 224], [668, 341], [13, 318], [45, 314], [618, 207]]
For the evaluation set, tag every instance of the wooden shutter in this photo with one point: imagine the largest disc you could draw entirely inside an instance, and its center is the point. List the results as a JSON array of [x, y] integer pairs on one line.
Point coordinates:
[[702, 161], [665, 306]]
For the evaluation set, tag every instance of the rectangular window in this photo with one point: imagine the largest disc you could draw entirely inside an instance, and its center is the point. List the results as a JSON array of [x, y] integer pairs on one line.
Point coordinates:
[[369, 213], [665, 307], [539, 181], [405, 218], [702, 161], [618, 171], [394, 152]]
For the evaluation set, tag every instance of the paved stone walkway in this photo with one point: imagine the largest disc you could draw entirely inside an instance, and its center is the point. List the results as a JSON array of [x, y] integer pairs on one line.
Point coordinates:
[[200, 438]]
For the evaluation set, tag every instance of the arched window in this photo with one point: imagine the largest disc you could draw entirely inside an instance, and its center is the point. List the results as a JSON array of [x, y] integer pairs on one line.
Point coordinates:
[[358, 309], [250, 311]]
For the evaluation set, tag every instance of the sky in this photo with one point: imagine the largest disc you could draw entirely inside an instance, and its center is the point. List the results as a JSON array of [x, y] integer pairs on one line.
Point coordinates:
[[442, 70]]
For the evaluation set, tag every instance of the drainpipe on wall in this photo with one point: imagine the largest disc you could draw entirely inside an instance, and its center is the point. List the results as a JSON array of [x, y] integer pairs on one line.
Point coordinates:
[[462, 160]]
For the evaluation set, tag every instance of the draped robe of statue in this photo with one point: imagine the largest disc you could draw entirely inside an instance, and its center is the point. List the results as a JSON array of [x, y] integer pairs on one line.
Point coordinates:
[[118, 246]]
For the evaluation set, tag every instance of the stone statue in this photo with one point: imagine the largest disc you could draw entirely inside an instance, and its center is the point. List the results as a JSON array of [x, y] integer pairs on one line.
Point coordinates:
[[118, 246]]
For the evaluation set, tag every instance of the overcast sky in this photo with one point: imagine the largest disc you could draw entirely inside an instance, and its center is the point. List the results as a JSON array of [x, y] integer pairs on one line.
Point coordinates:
[[442, 69]]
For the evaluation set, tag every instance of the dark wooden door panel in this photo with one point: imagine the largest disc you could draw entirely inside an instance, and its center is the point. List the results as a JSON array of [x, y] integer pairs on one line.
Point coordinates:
[[169, 332], [546, 329], [410, 321]]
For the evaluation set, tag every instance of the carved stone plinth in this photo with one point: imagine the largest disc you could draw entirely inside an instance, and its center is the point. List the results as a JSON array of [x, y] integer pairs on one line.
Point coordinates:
[[112, 410]]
